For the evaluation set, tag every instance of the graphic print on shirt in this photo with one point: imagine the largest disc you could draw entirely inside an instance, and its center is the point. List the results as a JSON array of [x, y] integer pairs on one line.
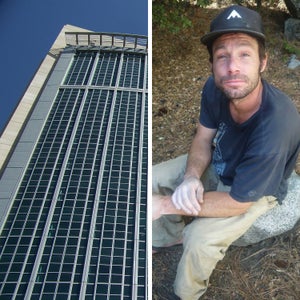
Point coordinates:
[[218, 161]]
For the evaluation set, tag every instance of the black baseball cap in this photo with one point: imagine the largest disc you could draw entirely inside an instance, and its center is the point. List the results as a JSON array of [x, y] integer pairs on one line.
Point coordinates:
[[235, 18]]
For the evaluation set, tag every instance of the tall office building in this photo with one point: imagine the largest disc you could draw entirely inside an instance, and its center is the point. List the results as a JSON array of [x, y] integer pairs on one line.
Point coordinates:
[[73, 186]]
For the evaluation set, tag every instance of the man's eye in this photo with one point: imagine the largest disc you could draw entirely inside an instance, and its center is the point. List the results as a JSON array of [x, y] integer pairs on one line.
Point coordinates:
[[245, 54], [221, 56]]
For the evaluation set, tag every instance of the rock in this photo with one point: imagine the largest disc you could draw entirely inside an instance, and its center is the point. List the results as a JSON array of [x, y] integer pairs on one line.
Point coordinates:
[[278, 220], [292, 29], [294, 62], [294, 7]]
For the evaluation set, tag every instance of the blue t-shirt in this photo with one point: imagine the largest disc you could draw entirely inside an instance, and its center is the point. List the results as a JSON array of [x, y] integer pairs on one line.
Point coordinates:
[[256, 157]]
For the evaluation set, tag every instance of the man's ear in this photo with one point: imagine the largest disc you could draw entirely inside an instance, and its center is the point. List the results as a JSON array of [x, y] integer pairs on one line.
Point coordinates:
[[263, 63]]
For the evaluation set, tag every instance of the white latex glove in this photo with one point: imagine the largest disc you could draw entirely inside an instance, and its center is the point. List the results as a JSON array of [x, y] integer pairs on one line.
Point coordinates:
[[188, 196]]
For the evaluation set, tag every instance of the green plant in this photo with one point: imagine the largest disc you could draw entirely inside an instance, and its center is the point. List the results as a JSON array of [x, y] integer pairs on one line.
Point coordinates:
[[203, 3], [291, 48], [170, 15]]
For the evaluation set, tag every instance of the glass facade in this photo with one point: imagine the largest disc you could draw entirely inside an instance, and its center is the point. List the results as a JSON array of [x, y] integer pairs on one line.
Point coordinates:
[[77, 224]]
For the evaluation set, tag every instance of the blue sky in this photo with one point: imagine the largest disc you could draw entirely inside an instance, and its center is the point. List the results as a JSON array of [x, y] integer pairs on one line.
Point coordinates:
[[29, 27]]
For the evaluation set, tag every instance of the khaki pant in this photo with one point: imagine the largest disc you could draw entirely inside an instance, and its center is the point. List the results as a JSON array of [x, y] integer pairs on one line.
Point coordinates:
[[205, 240]]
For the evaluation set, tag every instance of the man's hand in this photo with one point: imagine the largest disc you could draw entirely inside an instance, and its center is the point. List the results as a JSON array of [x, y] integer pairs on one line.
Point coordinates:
[[157, 202], [189, 195]]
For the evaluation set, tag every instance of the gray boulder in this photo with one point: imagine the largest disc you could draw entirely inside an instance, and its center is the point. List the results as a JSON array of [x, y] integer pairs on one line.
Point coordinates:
[[292, 29], [278, 220], [294, 62]]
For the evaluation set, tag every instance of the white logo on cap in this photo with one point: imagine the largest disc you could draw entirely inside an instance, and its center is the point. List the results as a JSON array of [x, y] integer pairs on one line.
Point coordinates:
[[234, 14]]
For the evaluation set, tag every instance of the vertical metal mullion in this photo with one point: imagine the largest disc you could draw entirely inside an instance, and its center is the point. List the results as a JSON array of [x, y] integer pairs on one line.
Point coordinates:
[[90, 60], [100, 62], [125, 71], [116, 91], [85, 206], [144, 111], [119, 181], [138, 195], [86, 203], [113, 70], [86, 154], [116, 211], [137, 217], [127, 214], [79, 63], [106, 143], [129, 190], [89, 82], [93, 220], [139, 72], [132, 70], [107, 60], [73, 207]]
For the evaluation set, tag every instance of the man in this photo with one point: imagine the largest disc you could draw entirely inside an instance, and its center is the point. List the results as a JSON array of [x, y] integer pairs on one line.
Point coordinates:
[[244, 151]]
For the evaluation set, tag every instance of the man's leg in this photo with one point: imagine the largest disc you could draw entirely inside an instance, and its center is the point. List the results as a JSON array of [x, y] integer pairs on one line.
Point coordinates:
[[205, 242], [167, 230]]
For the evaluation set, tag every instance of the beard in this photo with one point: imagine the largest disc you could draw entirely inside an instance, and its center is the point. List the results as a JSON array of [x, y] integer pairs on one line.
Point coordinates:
[[239, 92]]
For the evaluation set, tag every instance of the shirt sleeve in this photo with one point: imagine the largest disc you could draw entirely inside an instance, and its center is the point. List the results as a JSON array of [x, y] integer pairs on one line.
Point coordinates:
[[256, 177]]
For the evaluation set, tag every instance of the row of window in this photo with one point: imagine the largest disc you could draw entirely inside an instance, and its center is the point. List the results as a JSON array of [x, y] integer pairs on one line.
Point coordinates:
[[131, 67]]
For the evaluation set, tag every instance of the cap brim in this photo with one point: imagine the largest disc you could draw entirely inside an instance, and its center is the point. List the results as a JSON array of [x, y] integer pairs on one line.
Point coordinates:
[[210, 37]]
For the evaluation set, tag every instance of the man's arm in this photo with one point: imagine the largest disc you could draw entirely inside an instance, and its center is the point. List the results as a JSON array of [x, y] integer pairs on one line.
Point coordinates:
[[189, 195], [200, 152], [215, 205], [189, 198]]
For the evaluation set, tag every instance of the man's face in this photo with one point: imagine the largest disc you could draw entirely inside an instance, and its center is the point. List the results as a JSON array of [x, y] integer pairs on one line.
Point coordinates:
[[236, 66]]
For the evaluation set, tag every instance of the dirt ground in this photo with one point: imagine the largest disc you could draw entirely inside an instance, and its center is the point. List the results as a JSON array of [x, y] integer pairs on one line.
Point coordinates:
[[269, 269]]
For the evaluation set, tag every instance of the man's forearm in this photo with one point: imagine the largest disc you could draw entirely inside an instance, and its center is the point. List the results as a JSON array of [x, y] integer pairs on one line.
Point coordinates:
[[216, 204]]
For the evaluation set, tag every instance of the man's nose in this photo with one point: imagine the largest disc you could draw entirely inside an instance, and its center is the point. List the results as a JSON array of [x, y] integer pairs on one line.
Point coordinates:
[[233, 64]]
